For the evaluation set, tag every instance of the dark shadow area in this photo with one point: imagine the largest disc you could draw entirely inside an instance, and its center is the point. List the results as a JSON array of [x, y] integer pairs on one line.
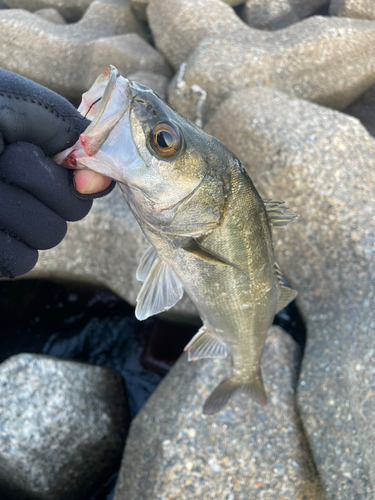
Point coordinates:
[[291, 321], [238, 9], [150, 36], [323, 10]]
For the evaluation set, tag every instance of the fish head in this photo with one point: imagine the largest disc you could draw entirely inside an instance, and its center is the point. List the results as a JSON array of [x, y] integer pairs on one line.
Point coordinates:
[[171, 168], [156, 155]]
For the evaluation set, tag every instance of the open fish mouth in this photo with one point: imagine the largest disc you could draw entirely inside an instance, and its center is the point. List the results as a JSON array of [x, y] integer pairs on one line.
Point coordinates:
[[107, 145]]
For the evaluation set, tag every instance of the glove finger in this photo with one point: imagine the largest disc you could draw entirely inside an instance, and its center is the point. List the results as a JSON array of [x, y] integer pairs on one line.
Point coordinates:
[[26, 166], [27, 219], [32, 113], [16, 258]]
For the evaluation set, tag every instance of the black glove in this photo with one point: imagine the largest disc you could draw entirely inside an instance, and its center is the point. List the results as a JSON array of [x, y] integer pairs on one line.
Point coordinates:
[[37, 196]]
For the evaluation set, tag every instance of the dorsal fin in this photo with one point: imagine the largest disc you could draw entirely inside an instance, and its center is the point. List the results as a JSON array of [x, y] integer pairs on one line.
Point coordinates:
[[205, 344], [161, 290], [276, 213], [286, 294]]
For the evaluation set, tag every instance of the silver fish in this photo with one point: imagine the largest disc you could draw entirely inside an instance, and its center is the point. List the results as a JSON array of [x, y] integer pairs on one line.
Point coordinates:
[[210, 232]]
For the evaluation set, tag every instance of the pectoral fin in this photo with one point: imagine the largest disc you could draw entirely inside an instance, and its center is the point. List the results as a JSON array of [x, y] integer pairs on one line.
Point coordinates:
[[225, 390], [202, 253], [147, 261], [205, 344], [161, 290]]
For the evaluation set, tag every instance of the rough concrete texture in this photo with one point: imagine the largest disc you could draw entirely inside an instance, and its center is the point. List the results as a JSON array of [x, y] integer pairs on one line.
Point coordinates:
[[139, 7], [51, 15], [322, 163], [71, 10], [245, 451], [276, 14], [106, 18], [158, 83], [363, 9], [103, 18], [62, 427], [326, 60], [179, 25], [365, 114], [104, 250], [67, 59], [233, 3], [129, 53]]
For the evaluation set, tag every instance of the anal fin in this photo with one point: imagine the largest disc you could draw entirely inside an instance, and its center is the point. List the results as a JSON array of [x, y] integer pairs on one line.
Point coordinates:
[[228, 387], [205, 344]]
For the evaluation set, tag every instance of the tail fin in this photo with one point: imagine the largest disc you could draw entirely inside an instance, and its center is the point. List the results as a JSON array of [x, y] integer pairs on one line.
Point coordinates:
[[225, 390]]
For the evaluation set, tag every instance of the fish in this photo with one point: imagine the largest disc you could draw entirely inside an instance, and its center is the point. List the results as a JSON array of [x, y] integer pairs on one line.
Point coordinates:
[[209, 230]]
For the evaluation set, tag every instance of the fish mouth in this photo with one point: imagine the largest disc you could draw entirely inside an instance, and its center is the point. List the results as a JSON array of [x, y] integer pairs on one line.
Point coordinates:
[[100, 91], [112, 105], [107, 145]]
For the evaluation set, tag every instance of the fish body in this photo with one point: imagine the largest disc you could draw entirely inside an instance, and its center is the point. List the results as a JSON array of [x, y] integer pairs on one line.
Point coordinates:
[[210, 232]]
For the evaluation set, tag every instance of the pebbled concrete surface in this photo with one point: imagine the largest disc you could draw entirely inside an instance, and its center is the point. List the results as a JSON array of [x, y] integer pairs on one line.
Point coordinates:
[[325, 60], [71, 10], [362, 9], [277, 14], [178, 26], [68, 58], [62, 427]]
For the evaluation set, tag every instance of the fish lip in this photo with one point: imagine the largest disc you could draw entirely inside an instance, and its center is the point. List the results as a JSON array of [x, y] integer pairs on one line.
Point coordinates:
[[109, 88], [96, 134], [92, 96], [94, 148]]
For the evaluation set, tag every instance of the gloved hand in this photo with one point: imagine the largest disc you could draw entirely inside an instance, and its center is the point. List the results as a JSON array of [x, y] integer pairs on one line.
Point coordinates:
[[37, 196]]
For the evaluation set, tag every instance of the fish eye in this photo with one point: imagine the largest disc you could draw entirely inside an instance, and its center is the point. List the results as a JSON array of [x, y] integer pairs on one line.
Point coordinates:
[[165, 139]]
